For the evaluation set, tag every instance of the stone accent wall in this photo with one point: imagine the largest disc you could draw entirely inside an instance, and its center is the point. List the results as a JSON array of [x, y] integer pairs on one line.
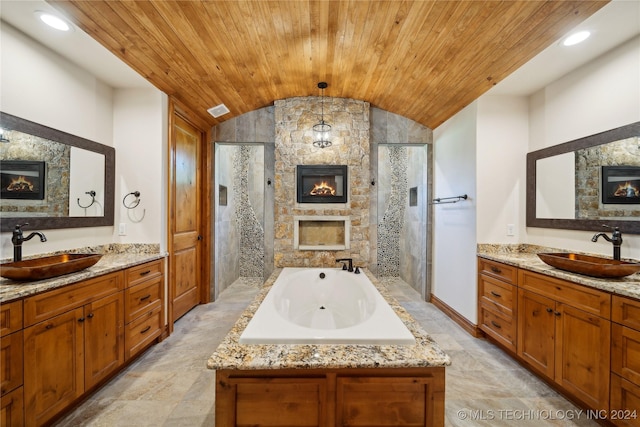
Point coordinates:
[[589, 204], [294, 119]]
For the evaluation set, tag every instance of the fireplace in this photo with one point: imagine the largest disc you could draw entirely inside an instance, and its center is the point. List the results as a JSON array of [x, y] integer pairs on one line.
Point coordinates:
[[321, 183], [21, 179], [621, 184]]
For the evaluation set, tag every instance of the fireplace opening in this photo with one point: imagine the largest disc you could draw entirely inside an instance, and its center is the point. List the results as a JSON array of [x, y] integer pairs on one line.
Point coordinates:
[[321, 183], [621, 184], [21, 179]]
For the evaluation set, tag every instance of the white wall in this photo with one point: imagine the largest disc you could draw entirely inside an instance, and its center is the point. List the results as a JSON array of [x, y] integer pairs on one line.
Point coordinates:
[[501, 151], [41, 86], [454, 224], [499, 131]]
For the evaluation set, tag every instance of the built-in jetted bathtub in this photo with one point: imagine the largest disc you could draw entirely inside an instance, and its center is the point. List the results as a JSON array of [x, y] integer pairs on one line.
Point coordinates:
[[325, 306]]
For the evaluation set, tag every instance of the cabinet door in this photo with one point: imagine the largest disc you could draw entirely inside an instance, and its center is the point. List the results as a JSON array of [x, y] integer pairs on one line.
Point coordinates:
[[12, 409], [583, 343], [103, 338], [536, 331], [11, 362], [54, 366]]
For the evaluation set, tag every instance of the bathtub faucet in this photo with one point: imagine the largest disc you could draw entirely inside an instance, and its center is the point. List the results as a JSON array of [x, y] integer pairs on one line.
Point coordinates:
[[344, 266]]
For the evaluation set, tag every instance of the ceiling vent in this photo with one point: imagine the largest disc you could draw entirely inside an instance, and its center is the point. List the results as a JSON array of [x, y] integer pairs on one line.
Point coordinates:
[[218, 110]]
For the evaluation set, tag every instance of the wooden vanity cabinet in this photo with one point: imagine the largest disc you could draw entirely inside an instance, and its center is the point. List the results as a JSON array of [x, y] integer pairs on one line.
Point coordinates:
[[11, 365], [73, 339], [625, 361], [144, 318], [497, 301], [565, 335]]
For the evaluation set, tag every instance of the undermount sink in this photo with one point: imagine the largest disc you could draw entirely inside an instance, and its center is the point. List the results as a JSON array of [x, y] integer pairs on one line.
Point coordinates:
[[590, 265], [47, 267]]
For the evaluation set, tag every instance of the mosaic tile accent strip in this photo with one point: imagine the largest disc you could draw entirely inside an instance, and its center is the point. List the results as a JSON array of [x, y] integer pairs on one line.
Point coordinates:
[[390, 226], [251, 231]]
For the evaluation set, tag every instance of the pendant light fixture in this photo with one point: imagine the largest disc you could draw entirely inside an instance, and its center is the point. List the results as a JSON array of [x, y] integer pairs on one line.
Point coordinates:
[[321, 129]]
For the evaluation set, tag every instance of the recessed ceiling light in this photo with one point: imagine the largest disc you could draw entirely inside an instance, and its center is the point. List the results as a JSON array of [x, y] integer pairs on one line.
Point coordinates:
[[576, 38], [218, 110], [53, 21]]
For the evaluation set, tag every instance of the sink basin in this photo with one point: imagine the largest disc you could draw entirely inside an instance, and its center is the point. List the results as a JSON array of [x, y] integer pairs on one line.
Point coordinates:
[[590, 265], [47, 267]]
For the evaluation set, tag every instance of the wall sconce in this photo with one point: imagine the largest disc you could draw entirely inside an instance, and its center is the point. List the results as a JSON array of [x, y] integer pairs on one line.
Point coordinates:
[[321, 129]]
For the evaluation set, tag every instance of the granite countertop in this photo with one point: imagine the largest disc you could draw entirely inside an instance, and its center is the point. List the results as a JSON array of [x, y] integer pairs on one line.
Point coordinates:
[[114, 259], [524, 256], [232, 355]]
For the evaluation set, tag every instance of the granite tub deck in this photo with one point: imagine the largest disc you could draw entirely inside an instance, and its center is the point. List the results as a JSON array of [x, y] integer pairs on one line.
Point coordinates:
[[115, 258], [329, 384], [524, 256]]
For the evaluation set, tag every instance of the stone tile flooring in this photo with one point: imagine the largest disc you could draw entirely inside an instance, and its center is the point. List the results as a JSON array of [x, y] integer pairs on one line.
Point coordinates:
[[170, 385]]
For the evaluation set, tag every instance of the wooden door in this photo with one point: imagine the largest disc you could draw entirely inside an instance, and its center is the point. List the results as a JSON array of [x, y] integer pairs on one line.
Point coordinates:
[[53, 353], [185, 224], [536, 331], [103, 338], [583, 343]]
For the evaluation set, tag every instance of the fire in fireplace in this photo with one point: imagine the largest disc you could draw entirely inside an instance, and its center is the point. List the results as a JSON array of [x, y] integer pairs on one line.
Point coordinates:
[[621, 184], [21, 179], [321, 183]]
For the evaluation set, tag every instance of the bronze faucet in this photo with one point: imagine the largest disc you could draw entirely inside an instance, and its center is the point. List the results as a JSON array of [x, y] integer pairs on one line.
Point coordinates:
[[18, 238], [616, 239]]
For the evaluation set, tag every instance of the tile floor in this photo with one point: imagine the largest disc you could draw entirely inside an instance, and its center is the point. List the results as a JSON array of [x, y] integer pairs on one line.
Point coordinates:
[[170, 385]]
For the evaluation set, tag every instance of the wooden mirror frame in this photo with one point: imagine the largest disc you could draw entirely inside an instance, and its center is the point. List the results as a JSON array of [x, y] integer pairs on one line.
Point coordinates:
[[47, 223], [595, 225]]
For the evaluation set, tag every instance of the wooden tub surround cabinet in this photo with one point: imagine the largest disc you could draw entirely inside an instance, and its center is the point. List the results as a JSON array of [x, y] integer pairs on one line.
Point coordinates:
[[60, 344], [580, 334], [329, 385]]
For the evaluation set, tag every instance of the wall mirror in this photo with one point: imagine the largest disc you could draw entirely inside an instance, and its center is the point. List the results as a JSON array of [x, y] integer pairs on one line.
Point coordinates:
[[586, 183], [52, 179]]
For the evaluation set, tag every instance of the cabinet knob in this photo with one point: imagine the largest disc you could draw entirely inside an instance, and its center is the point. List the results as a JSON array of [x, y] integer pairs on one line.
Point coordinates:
[[81, 319], [145, 329], [145, 297], [496, 269], [495, 294], [90, 315], [144, 273], [497, 325], [549, 310], [557, 313]]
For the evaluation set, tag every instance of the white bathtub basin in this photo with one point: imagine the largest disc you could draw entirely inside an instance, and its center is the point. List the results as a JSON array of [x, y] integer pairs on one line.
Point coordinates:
[[340, 308]]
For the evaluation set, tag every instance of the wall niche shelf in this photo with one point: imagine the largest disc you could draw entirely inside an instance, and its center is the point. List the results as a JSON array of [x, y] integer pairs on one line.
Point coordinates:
[[321, 233]]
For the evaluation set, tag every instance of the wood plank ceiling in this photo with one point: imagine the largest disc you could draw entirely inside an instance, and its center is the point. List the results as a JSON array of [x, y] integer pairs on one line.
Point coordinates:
[[425, 60]]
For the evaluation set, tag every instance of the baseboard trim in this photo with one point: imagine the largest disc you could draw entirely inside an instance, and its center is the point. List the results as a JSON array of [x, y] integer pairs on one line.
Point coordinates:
[[462, 321]]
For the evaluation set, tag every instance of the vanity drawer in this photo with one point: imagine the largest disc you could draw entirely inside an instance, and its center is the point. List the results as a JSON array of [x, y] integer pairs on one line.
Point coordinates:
[[497, 295], [626, 311], [10, 317], [140, 273], [625, 352], [582, 297], [49, 304], [139, 298], [500, 328], [496, 269], [143, 331]]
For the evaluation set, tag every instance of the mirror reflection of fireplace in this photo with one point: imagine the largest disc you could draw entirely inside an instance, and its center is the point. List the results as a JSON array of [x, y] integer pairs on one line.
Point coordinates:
[[621, 184], [321, 183], [21, 179]]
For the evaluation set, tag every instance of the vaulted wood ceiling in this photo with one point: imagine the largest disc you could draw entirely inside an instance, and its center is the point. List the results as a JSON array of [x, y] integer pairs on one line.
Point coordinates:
[[425, 60]]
